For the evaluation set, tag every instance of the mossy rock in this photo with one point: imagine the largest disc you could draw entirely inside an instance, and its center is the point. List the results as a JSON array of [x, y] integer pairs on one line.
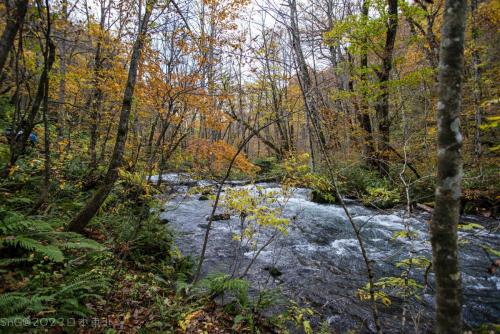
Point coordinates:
[[222, 216], [273, 271], [381, 197], [320, 197], [207, 192], [203, 198], [382, 204]]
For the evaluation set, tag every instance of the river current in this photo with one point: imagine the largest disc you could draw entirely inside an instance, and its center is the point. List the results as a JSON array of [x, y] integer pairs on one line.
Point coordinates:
[[319, 264]]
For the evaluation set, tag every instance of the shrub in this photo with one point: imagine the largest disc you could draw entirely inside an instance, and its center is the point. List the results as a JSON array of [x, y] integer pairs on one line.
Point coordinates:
[[382, 198]]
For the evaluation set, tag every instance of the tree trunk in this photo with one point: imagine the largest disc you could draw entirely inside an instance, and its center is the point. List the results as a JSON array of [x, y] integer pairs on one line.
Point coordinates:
[[61, 110], [478, 92], [382, 104], [449, 174], [364, 114], [96, 97], [14, 22], [306, 84], [88, 212], [18, 145], [49, 48]]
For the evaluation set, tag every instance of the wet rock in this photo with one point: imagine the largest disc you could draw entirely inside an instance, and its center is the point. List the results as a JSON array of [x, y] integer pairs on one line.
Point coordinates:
[[207, 192], [222, 216], [382, 204], [321, 197], [273, 271], [203, 198]]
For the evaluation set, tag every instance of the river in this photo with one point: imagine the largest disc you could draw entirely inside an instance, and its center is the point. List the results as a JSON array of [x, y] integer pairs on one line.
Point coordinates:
[[321, 265]]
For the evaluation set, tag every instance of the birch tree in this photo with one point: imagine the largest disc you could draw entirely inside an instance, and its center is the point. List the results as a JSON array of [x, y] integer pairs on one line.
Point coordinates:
[[449, 174]]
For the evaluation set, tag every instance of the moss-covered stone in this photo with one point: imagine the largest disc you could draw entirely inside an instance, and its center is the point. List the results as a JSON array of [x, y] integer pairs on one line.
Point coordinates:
[[320, 197], [273, 271], [221, 216]]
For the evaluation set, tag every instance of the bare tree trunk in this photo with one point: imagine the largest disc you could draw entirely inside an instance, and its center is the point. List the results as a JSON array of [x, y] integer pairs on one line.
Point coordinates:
[[382, 103], [14, 22], [310, 142], [305, 79], [46, 140], [449, 174], [89, 211], [97, 95], [62, 83], [364, 114], [478, 94], [23, 131], [49, 48]]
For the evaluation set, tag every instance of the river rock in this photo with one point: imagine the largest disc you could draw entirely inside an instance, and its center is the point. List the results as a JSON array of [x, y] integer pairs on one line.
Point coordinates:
[[321, 197], [221, 216], [273, 271]]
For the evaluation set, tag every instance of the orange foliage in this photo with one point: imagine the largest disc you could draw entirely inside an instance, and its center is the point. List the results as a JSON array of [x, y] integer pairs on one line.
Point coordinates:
[[215, 157]]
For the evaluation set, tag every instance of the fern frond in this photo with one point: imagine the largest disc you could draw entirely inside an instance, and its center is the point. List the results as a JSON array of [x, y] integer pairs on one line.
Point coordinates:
[[84, 244], [50, 251], [7, 262], [12, 302]]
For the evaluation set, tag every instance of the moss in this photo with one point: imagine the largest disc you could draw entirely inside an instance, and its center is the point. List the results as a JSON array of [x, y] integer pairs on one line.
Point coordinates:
[[382, 198], [321, 197]]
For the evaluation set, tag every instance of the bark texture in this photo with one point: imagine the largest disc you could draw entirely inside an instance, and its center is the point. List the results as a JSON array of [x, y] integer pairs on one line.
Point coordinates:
[[449, 175]]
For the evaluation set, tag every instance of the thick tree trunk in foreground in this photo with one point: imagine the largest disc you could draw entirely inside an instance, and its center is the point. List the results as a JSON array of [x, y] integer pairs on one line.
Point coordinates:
[[449, 175], [14, 22], [88, 212]]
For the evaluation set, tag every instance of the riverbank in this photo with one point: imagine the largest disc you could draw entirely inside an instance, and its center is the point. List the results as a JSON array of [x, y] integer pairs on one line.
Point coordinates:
[[132, 270], [124, 274]]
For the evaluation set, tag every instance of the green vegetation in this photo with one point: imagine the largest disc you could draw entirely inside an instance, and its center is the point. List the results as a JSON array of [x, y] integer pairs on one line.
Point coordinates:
[[101, 99]]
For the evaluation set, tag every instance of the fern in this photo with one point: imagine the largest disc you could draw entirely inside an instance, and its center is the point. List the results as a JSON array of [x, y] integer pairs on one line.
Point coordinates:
[[14, 303], [8, 262], [39, 237], [32, 239], [91, 281], [83, 244], [52, 252], [68, 300], [218, 284]]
